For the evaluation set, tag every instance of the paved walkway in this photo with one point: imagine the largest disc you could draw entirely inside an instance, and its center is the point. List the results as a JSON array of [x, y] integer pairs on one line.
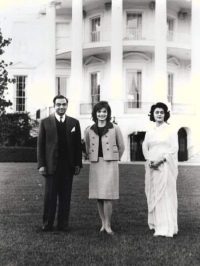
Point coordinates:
[[141, 163]]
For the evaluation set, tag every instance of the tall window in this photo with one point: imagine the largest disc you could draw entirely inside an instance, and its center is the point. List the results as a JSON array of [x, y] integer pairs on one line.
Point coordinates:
[[20, 93], [170, 29], [61, 86], [95, 29], [170, 87], [95, 87], [134, 26], [134, 88]]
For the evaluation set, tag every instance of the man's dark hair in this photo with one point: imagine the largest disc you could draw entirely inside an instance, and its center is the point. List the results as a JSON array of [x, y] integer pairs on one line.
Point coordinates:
[[98, 106], [159, 105], [59, 97]]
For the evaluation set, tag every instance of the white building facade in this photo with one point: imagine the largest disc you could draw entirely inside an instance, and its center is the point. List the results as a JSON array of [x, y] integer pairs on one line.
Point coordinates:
[[130, 53]]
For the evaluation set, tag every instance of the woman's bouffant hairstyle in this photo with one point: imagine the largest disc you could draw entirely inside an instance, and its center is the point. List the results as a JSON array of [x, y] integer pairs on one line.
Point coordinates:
[[159, 105], [98, 106]]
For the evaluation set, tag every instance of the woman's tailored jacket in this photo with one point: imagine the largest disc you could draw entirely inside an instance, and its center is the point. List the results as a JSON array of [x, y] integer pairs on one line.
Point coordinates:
[[112, 143]]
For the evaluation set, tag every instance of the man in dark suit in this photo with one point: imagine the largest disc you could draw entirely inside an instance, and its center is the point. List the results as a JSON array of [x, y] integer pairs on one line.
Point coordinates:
[[59, 156]]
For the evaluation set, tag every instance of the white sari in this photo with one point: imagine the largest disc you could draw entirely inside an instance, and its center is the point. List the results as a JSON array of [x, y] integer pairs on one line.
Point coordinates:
[[160, 185]]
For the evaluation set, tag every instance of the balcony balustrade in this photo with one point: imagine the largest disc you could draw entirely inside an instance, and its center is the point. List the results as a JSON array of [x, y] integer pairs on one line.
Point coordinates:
[[95, 36], [64, 43], [144, 107], [133, 34], [184, 109], [178, 37], [86, 108]]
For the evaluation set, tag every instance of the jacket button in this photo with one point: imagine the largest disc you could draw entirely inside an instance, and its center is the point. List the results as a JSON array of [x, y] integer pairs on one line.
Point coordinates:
[[92, 143], [92, 150]]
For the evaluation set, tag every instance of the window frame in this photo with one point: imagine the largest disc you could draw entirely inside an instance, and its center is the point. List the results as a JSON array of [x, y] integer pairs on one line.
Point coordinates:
[[67, 82], [100, 27], [98, 89], [137, 32], [17, 97], [131, 103], [170, 97]]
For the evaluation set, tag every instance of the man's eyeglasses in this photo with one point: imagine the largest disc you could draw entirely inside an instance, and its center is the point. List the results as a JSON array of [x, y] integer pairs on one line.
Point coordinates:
[[61, 104]]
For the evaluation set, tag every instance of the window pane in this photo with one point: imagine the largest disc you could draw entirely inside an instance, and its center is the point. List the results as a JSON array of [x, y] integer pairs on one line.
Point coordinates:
[[96, 24], [95, 29], [61, 86], [170, 87], [134, 87], [20, 93], [95, 87], [134, 20]]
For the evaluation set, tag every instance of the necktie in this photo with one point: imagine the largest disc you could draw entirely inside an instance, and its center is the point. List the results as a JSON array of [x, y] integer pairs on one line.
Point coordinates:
[[61, 119]]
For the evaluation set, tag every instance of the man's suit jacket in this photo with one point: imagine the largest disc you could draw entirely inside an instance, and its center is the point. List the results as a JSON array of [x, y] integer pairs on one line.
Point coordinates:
[[47, 146]]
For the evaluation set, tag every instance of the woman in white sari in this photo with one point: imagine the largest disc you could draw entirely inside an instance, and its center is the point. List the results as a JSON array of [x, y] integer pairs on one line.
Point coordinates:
[[160, 149]]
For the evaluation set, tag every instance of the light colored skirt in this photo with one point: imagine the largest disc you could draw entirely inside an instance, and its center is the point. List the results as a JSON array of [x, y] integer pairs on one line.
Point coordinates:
[[104, 180]]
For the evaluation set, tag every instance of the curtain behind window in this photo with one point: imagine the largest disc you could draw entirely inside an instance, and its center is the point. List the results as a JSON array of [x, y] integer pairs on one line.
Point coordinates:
[[134, 84], [95, 87]]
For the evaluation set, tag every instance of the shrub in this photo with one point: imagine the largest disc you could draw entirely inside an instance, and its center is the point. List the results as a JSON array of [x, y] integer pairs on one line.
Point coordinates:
[[15, 129]]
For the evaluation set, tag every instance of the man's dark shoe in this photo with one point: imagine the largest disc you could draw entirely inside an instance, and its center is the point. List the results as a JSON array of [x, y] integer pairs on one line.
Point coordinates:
[[63, 228], [46, 228]]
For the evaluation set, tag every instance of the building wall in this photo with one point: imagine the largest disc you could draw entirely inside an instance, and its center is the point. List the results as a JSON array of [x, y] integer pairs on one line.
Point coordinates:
[[30, 50]]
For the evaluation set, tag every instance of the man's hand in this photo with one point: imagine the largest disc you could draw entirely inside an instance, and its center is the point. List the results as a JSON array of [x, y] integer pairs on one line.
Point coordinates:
[[42, 171], [77, 170]]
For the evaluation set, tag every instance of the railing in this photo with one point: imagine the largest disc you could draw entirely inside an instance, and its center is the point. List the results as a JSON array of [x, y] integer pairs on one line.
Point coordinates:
[[184, 109], [95, 36], [137, 107], [133, 34], [45, 112], [170, 35], [144, 107], [86, 108], [178, 37]]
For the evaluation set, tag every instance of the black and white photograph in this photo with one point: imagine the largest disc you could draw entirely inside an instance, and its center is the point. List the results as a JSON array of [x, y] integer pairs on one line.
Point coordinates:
[[99, 132]]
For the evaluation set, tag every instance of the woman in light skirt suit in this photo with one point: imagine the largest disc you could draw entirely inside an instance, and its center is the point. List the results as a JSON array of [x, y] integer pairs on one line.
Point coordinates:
[[105, 146]]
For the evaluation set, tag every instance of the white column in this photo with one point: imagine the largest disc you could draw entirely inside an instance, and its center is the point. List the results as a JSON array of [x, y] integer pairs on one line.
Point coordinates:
[[116, 93], [194, 93], [160, 78], [76, 79], [195, 53], [50, 61]]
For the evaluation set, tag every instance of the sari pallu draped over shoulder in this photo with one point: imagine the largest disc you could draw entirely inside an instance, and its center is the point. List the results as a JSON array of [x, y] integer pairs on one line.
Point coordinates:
[[157, 180]]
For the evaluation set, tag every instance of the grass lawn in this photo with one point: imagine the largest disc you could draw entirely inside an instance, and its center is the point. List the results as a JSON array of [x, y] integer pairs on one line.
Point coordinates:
[[22, 243]]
